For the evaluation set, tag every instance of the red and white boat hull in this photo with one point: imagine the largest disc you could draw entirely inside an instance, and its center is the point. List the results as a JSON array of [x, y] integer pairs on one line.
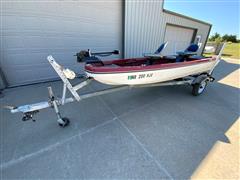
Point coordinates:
[[152, 75]]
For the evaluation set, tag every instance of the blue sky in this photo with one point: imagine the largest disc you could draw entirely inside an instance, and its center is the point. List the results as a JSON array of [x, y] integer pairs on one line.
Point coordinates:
[[222, 14]]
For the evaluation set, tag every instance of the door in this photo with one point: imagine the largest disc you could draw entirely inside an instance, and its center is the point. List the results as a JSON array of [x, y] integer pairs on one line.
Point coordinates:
[[179, 38], [33, 30]]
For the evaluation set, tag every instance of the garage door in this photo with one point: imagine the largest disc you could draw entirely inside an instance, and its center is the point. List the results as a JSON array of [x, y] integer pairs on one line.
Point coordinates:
[[31, 30], [178, 39]]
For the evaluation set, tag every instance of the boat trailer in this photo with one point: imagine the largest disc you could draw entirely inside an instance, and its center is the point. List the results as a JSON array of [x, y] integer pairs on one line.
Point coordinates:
[[198, 82]]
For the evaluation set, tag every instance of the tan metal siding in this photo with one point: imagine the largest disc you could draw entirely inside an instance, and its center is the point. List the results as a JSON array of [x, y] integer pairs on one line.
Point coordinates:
[[34, 29], [202, 29], [142, 31]]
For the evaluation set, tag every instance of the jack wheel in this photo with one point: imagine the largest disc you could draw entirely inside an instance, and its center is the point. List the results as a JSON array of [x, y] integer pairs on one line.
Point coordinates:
[[65, 122]]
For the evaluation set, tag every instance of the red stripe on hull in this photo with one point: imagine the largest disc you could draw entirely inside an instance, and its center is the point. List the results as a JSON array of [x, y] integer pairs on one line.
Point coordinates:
[[123, 69]]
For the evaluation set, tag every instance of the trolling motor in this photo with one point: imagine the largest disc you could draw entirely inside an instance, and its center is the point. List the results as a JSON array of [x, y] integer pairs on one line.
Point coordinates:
[[90, 57]]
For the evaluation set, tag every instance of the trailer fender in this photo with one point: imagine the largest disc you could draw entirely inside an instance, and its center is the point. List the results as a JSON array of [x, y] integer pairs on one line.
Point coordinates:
[[200, 78]]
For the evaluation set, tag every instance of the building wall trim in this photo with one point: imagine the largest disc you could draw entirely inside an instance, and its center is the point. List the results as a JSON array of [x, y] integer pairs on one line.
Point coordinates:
[[3, 81], [207, 38], [186, 17]]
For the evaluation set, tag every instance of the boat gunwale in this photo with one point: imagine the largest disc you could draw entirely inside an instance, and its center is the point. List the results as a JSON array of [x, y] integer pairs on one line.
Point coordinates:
[[128, 69]]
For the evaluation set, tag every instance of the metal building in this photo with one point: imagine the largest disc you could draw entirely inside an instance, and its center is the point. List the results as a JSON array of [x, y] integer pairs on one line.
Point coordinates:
[[31, 30]]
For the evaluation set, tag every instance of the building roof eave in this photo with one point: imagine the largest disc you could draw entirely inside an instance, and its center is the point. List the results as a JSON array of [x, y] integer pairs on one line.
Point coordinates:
[[187, 17]]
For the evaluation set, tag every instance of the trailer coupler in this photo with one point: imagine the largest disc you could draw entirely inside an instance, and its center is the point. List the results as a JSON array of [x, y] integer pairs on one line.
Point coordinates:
[[29, 115]]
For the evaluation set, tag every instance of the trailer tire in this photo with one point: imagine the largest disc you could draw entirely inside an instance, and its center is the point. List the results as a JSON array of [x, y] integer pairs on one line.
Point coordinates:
[[66, 122], [199, 88]]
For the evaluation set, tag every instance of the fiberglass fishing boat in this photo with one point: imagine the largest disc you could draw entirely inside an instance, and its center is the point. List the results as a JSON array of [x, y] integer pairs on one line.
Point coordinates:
[[153, 68]]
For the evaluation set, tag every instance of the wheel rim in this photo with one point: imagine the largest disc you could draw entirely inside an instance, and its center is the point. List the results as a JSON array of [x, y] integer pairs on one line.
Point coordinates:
[[202, 87]]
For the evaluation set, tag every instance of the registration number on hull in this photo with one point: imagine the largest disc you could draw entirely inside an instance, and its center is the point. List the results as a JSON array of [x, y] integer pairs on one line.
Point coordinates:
[[140, 76]]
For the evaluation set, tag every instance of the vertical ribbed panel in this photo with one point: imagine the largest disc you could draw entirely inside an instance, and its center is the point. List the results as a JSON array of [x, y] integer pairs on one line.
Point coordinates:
[[145, 24], [32, 30], [142, 26]]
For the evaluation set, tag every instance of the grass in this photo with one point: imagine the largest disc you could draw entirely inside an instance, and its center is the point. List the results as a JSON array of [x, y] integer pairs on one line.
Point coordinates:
[[231, 50]]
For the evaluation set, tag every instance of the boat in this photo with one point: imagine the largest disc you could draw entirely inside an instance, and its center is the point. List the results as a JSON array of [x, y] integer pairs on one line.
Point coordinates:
[[153, 68], [138, 71]]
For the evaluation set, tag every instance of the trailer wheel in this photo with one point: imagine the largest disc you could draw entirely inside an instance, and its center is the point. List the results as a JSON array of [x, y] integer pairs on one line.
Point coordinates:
[[65, 122], [199, 88]]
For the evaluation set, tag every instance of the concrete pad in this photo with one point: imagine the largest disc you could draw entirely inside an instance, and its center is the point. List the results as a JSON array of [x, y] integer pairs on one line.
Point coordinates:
[[125, 101], [232, 79], [106, 152], [48, 165], [176, 142], [223, 160], [203, 108], [21, 138]]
